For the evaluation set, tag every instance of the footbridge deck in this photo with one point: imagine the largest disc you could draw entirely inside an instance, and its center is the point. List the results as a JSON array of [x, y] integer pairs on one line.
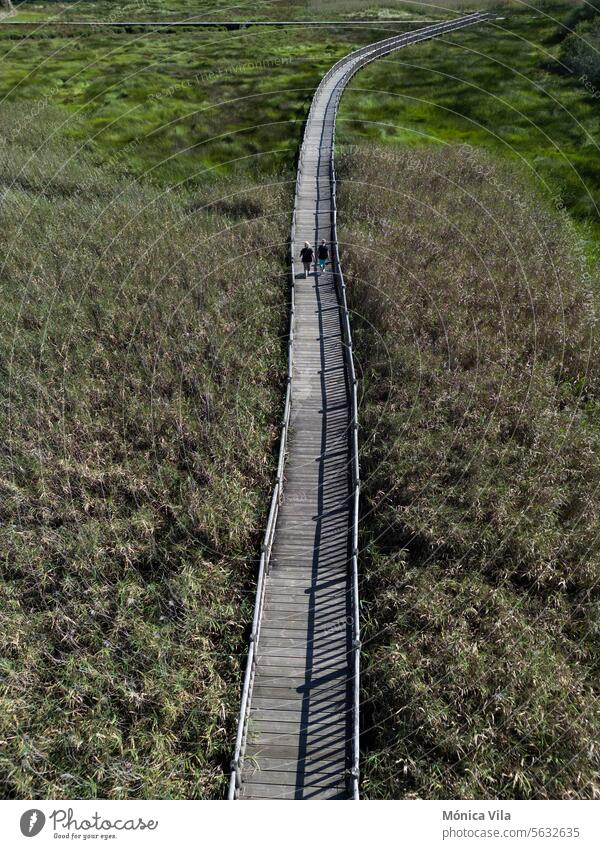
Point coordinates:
[[298, 734]]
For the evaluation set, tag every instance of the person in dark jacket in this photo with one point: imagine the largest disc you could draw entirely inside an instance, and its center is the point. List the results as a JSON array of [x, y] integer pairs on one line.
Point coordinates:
[[307, 255], [322, 254]]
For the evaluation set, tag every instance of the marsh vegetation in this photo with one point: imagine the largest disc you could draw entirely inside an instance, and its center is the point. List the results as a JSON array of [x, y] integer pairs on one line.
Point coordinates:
[[146, 183], [474, 320]]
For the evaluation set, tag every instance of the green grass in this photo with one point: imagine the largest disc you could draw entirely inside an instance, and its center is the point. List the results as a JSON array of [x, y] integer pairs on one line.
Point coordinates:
[[474, 333], [178, 105], [492, 87], [191, 102], [142, 355], [135, 10]]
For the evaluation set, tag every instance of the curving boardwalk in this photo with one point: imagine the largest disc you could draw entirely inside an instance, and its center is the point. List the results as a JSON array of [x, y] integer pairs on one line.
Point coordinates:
[[298, 729]]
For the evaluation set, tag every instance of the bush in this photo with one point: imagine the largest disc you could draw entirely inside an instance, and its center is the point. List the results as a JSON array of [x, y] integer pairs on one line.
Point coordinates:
[[580, 52], [474, 318], [578, 14]]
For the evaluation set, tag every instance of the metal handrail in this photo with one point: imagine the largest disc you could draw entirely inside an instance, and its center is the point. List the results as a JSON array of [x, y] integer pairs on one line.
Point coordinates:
[[354, 62]]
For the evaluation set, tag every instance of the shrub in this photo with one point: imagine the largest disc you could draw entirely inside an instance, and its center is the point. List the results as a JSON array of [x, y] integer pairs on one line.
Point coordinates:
[[578, 14], [580, 51]]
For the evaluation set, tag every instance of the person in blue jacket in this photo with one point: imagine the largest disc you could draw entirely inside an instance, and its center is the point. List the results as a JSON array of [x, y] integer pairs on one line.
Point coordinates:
[[322, 254]]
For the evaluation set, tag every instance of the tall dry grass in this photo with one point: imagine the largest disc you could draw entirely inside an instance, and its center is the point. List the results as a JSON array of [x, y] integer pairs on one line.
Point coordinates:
[[141, 359], [475, 318]]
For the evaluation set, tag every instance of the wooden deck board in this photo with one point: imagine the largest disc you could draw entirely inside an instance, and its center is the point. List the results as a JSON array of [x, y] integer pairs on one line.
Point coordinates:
[[272, 791]]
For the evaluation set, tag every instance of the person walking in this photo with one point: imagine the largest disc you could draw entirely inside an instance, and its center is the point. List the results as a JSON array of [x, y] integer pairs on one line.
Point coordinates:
[[322, 254], [307, 255]]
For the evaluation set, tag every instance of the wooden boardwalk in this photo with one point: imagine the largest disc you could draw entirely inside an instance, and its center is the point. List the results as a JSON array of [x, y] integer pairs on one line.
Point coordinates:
[[300, 719]]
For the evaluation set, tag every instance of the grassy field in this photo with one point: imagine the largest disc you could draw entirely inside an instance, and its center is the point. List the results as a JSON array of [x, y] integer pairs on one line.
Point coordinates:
[[174, 106], [146, 182], [228, 10], [179, 105], [182, 105], [474, 321], [189, 101], [499, 87], [142, 352]]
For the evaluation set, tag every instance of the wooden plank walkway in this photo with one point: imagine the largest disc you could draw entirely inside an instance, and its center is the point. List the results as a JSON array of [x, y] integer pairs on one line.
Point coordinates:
[[299, 732]]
